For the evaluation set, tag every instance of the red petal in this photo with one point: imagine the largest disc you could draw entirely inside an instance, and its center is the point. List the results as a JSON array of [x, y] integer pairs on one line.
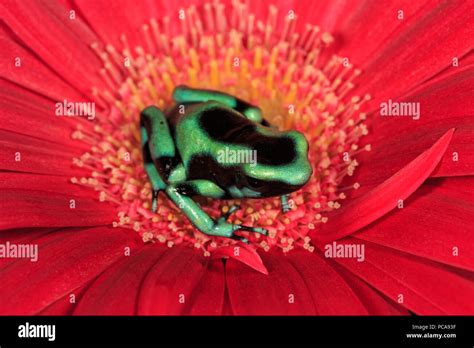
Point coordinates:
[[362, 211], [361, 28], [330, 292], [43, 183], [243, 253], [116, 291], [33, 74], [112, 19], [22, 235], [66, 260], [29, 114], [169, 286], [434, 220], [24, 208], [66, 304], [282, 292], [445, 102], [427, 287], [414, 54], [36, 156], [209, 292], [48, 31], [369, 26], [375, 302]]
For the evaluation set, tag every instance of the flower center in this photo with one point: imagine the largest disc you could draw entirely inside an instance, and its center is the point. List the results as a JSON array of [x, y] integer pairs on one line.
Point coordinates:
[[290, 75]]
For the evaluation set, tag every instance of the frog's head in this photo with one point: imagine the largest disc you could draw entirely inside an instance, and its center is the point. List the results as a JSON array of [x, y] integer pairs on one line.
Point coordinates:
[[281, 163]]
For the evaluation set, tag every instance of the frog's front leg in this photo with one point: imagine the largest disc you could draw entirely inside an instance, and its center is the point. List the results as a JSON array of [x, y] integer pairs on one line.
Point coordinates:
[[156, 181], [179, 194], [157, 148]]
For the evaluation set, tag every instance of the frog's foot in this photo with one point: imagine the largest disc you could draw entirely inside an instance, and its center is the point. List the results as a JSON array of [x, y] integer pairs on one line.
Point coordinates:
[[252, 229], [203, 222], [249, 229], [237, 227], [285, 207], [226, 229]]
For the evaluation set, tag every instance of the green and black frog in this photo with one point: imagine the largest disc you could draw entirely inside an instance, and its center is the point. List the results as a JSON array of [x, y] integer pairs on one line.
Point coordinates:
[[182, 147]]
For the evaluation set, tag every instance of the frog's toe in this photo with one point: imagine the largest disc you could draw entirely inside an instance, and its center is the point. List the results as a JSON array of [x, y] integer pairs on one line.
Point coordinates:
[[240, 238], [222, 228], [227, 214], [231, 210], [285, 206], [154, 201], [253, 229]]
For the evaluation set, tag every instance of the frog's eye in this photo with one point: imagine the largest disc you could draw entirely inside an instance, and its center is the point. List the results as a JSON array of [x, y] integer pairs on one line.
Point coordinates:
[[255, 183]]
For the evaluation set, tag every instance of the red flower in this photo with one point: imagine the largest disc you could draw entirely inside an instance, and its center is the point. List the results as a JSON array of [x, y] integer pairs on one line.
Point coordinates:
[[383, 227]]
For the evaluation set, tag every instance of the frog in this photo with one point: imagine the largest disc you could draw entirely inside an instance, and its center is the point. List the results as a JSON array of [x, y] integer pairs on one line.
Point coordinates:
[[182, 147]]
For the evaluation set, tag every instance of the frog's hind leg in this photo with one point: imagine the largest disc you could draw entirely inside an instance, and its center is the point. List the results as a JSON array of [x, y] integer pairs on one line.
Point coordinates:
[[157, 147], [180, 194], [184, 94]]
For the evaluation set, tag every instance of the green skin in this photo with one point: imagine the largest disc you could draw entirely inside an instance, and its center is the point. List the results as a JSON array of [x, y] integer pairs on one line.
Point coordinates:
[[182, 148]]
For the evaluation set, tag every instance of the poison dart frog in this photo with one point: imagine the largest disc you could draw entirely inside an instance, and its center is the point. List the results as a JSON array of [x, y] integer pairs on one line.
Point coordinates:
[[183, 146]]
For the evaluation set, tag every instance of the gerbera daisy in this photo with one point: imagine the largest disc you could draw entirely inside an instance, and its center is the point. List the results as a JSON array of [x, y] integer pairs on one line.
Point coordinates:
[[382, 91]]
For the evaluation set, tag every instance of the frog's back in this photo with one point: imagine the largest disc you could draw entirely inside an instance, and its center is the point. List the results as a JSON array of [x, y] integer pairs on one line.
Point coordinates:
[[201, 132], [184, 124]]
